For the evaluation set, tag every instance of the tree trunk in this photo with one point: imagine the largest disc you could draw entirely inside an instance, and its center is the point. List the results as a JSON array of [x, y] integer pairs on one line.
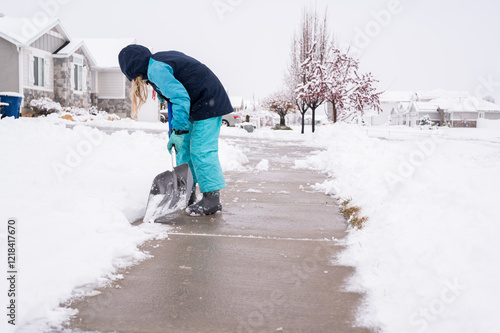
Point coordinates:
[[282, 120], [313, 119], [303, 123], [334, 113], [302, 109]]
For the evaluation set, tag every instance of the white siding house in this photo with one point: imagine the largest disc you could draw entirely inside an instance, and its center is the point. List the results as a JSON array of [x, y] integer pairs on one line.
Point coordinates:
[[237, 103], [111, 91], [453, 108], [111, 85], [45, 62]]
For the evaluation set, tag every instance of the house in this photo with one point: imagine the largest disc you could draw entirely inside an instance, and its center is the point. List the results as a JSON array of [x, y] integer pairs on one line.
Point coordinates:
[[45, 62], [410, 113], [466, 111], [238, 103], [388, 101], [456, 108], [110, 88]]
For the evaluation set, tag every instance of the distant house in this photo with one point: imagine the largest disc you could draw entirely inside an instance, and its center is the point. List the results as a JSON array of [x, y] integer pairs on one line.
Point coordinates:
[[238, 103], [466, 112], [455, 108], [46, 62], [410, 113]]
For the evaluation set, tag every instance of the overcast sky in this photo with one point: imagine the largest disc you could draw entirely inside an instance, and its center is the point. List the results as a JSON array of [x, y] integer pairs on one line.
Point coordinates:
[[406, 44]]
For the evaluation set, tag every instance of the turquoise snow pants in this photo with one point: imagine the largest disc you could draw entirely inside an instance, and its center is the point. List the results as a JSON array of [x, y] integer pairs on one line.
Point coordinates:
[[200, 150]]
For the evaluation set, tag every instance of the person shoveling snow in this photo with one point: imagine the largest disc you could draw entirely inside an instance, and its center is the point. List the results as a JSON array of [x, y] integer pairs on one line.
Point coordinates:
[[197, 103]]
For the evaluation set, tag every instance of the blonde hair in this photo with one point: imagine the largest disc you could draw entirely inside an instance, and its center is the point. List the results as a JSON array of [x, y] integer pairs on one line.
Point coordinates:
[[138, 94]]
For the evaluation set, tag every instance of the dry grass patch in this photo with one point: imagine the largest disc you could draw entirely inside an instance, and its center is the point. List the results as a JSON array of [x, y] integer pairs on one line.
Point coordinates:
[[352, 214]]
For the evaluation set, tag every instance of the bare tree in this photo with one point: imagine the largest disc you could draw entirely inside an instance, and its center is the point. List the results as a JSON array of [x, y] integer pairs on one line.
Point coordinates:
[[308, 50], [314, 90], [295, 77]]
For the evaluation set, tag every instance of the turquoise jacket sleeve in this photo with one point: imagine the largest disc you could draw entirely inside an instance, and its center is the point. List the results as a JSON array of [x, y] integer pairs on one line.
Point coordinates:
[[162, 76]]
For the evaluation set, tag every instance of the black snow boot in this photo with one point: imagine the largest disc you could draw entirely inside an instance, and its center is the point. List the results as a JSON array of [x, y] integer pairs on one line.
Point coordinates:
[[208, 205], [192, 198]]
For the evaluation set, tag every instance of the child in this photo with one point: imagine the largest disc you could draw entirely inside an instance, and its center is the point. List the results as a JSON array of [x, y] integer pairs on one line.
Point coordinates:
[[198, 103]]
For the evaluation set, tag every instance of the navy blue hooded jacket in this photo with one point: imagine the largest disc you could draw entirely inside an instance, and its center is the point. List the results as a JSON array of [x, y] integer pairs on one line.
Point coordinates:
[[192, 88]]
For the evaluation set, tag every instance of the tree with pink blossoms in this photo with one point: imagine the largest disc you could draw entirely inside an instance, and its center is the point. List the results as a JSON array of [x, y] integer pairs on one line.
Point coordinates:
[[280, 103], [349, 91], [320, 72]]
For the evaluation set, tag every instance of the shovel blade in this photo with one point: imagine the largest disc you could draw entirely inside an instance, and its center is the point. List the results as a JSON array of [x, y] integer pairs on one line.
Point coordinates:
[[169, 193]]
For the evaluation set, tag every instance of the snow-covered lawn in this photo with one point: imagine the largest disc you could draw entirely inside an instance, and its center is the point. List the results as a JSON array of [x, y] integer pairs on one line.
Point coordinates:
[[74, 194], [428, 256]]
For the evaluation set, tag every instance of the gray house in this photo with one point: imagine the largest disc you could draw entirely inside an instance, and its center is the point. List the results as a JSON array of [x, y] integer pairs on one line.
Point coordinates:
[[46, 62]]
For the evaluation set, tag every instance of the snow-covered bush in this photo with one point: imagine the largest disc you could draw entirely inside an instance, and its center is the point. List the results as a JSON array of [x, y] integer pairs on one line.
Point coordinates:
[[44, 106], [83, 115], [426, 120]]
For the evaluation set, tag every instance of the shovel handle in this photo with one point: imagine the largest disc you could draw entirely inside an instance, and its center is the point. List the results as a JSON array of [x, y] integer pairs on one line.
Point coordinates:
[[173, 156]]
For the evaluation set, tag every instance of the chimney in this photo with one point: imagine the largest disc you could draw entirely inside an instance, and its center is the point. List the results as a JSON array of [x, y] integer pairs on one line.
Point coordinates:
[[441, 116]]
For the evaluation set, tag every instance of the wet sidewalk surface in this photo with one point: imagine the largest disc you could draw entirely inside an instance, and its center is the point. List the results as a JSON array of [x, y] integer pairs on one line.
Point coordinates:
[[262, 265]]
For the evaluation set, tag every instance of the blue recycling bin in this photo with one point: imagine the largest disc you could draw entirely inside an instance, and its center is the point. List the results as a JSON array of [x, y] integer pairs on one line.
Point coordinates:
[[14, 100]]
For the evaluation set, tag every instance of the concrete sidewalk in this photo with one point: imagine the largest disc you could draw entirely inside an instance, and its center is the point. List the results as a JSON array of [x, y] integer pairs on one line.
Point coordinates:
[[262, 265]]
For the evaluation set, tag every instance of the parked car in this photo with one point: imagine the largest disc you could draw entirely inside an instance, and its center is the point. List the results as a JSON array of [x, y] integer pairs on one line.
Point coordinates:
[[164, 116], [230, 119]]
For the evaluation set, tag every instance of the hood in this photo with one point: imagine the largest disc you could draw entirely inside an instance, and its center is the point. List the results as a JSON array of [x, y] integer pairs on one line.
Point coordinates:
[[134, 61]]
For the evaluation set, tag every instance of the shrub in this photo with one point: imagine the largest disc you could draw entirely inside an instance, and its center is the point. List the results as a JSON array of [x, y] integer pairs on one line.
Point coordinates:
[[426, 121], [44, 106]]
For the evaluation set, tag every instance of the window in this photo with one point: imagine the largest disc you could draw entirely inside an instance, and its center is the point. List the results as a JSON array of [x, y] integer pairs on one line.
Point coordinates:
[[38, 72], [77, 74]]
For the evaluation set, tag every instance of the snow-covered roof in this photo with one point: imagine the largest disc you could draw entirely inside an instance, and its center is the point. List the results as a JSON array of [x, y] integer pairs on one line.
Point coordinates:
[[105, 50], [426, 106], [102, 53], [395, 96], [236, 101], [72, 47], [487, 106], [470, 104], [23, 31], [421, 95], [427, 95], [403, 107]]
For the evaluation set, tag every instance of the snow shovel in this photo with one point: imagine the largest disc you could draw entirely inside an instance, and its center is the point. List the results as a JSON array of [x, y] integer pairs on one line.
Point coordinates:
[[170, 192]]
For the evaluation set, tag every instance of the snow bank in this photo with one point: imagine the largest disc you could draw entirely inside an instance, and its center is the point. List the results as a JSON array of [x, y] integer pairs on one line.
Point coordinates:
[[263, 165], [427, 257], [74, 194], [231, 157]]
